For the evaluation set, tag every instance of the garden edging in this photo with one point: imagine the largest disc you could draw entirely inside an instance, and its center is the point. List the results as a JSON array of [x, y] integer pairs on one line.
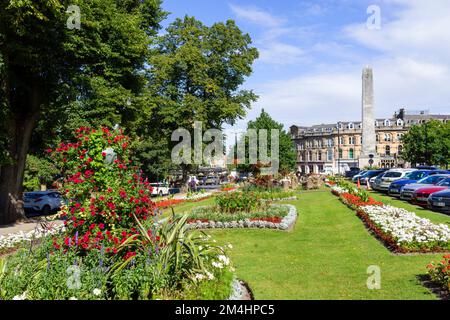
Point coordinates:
[[286, 223]]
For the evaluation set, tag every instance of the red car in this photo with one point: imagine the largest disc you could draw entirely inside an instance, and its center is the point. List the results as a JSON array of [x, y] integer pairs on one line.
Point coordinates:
[[420, 196]]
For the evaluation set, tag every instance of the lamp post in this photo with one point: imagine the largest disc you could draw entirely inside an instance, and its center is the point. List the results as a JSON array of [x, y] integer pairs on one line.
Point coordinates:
[[339, 147]]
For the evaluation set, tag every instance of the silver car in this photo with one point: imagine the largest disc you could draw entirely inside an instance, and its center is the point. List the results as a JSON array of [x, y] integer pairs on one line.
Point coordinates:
[[408, 190], [391, 176]]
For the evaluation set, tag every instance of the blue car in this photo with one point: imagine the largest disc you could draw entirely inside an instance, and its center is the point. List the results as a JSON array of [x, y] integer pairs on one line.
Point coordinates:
[[396, 187], [440, 201]]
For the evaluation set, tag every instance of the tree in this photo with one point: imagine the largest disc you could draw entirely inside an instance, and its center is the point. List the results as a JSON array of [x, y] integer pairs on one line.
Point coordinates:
[[428, 144], [287, 154], [67, 74], [196, 73]]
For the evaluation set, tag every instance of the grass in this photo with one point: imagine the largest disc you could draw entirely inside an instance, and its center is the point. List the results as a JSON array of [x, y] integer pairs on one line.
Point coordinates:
[[326, 256]]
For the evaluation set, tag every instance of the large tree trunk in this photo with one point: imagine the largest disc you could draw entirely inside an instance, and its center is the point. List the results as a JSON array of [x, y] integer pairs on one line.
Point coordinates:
[[20, 128]]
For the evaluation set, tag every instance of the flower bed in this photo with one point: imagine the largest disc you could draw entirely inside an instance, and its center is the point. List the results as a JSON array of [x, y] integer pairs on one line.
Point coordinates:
[[400, 230], [281, 223], [404, 231], [440, 273]]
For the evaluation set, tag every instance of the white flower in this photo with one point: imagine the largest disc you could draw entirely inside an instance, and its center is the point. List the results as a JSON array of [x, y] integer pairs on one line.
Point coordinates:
[[230, 246], [200, 248], [217, 265], [407, 227], [97, 292], [199, 276], [73, 298], [224, 259], [209, 275], [232, 269], [23, 296]]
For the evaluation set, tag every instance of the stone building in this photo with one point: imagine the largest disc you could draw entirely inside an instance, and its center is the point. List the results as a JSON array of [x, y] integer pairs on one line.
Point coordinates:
[[327, 147]]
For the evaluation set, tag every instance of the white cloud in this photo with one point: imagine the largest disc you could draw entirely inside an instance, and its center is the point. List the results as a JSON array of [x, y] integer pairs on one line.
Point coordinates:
[[272, 49], [256, 15]]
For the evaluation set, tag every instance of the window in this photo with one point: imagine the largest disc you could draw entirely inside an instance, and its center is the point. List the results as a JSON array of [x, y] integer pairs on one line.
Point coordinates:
[[351, 154], [387, 137], [351, 140], [400, 122], [351, 126], [310, 156], [400, 149], [377, 124], [387, 123], [319, 156], [377, 138], [388, 150], [340, 153], [399, 136], [330, 142], [330, 155], [341, 140]]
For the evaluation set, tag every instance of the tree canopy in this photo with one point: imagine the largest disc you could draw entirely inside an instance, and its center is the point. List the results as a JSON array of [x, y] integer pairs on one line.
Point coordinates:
[[427, 143]]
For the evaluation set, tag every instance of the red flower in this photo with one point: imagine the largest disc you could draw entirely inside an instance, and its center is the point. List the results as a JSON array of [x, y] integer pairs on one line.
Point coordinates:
[[101, 226]]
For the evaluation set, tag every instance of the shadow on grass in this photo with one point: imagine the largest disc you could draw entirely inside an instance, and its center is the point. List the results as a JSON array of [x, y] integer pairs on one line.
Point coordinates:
[[433, 287]]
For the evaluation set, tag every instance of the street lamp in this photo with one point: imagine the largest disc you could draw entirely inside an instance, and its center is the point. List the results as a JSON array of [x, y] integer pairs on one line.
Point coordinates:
[[339, 147]]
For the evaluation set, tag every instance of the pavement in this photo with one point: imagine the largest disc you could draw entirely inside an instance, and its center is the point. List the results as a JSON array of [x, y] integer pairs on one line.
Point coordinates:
[[21, 226]]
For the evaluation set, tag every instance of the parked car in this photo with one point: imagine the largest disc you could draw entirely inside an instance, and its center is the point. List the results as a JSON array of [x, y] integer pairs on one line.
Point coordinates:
[[391, 176], [160, 189], [440, 201], [408, 190], [376, 181], [364, 179], [42, 202], [412, 177], [352, 172], [420, 196], [211, 180], [358, 176]]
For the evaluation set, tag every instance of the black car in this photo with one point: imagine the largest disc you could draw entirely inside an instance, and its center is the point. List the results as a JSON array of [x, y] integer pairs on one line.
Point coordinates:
[[352, 172], [440, 201]]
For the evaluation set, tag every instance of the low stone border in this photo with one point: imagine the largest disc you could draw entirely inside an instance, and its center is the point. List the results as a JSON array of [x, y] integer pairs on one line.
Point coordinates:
[[282, 199], [286, 223], [240, 291]]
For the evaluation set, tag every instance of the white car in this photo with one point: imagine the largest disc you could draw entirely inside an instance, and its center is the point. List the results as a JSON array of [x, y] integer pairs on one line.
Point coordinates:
[[44, 202], [159, 189], [391, 176]]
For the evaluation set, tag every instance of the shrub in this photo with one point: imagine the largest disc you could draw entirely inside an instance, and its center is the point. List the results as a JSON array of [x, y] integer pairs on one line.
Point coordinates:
[[239, 202], [440, 272], [104, 190]]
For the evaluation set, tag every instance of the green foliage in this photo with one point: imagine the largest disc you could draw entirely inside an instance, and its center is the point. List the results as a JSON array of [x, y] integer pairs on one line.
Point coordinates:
[[196, 71], [38, 171], [272, 193], [428, 143], [234, 202], [213, 213]]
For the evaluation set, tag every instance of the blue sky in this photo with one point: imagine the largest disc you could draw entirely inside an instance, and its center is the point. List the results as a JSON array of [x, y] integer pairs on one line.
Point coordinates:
[[312, 54]]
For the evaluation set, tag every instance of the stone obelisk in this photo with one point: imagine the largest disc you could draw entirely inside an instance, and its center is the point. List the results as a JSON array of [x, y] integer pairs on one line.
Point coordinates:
[[368, 155]]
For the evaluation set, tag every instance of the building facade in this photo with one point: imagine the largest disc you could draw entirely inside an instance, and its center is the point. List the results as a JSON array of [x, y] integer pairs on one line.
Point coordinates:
[[334, 148]]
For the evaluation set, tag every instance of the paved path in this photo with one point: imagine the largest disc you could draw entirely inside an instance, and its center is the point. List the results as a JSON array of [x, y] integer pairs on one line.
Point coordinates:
[[21, 226]]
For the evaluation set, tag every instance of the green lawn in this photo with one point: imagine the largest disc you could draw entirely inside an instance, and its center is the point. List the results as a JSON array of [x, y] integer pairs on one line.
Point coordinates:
[[325, 257]]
